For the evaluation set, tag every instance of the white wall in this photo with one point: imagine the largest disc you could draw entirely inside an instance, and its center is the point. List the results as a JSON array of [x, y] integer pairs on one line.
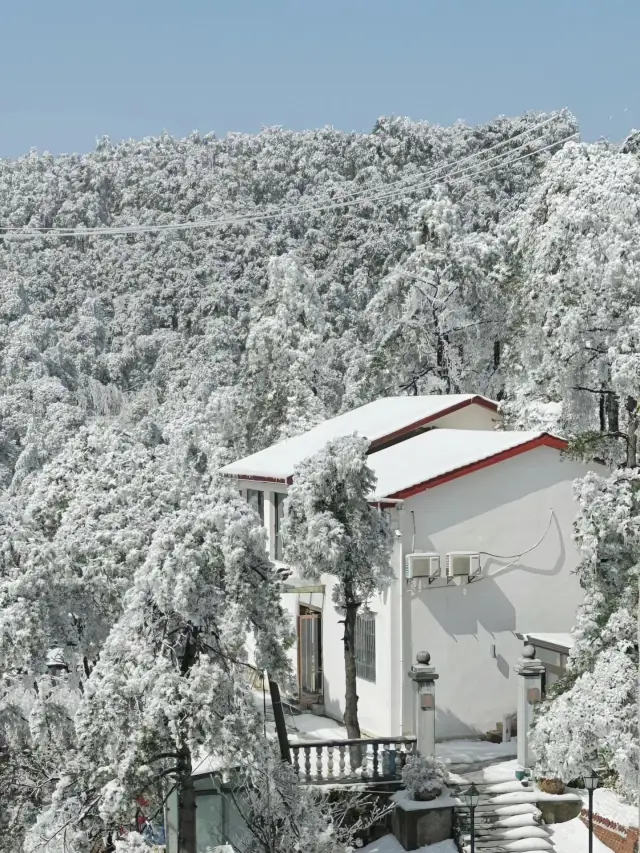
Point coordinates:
[[503, 509]]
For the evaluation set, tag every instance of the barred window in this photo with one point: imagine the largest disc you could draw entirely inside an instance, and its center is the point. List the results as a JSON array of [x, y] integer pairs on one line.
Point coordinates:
[[366, 646]]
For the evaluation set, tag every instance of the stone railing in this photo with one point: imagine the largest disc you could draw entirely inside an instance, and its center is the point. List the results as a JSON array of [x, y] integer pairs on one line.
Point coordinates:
[[322, 762]]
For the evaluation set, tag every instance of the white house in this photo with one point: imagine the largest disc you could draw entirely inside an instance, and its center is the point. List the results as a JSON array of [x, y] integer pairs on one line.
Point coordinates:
[[483, 554]]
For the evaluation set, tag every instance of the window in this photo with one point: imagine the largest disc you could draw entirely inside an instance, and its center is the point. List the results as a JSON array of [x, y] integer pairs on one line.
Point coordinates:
[[366, 646], [278, 503], [255, 499]]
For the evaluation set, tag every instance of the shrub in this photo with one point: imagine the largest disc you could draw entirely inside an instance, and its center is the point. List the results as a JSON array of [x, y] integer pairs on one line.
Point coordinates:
[[423, 776]]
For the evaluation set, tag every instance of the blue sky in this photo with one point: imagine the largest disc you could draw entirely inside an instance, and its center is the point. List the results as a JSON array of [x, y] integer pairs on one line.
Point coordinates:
[[71, 71]]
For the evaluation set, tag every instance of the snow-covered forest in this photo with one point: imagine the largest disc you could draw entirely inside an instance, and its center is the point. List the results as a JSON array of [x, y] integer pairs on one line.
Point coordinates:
[[133, 366]]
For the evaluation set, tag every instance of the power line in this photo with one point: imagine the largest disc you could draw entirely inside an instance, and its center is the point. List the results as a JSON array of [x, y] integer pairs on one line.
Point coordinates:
[[352, 194], [297, 209], [20, 233]]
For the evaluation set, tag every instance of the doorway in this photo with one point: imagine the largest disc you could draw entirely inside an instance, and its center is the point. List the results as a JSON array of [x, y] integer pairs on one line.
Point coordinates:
[[309, 651]]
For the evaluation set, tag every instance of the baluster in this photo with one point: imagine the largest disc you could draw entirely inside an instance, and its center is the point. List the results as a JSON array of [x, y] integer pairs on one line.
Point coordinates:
[[393, 770], [376, 774], [365, 759], [402, 756], [341, 761], [319, 763], [385, 759], [330, 762], [307, 762], [296, 759]]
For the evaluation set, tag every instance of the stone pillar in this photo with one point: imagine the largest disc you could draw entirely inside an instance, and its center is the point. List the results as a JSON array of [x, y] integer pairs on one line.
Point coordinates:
[[530, 670], [424, 678]]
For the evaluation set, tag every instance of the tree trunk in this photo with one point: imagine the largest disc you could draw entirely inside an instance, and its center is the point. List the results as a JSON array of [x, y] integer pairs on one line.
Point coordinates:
[[632, 433], [351, 694], [613, 413], [186, 806], [186, 791], [187, 818]]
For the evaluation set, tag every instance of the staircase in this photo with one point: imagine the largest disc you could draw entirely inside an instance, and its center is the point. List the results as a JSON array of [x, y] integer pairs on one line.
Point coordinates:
[[507, 819]]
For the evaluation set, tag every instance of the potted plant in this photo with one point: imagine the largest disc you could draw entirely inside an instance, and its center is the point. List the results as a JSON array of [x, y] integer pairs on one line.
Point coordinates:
[[424, 778], [551, 786]]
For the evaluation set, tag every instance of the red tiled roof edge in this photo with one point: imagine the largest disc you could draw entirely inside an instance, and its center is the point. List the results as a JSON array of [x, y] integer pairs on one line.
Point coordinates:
[[543, 440], [476, 400]]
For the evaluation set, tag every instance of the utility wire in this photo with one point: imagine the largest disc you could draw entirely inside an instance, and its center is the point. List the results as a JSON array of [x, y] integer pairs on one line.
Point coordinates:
[[299, 209], [353, 194], [21, 233], [522, 553]]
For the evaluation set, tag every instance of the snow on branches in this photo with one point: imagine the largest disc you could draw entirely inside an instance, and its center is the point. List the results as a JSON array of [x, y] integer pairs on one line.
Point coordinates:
[[330, 528], [592, 714]]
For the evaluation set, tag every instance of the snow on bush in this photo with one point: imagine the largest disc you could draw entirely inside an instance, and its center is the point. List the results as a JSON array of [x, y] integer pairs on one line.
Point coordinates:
[[423, 775]]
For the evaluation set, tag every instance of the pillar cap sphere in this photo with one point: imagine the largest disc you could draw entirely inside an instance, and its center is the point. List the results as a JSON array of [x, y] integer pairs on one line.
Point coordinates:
[[423, 658]]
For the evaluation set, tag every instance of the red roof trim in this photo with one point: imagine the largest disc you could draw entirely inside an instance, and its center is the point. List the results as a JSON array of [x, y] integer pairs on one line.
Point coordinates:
[[407, 430], [544, 440]]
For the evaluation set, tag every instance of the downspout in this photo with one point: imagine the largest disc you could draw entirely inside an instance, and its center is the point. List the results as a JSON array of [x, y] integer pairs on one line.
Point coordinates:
[[401, 586], [399, 620]]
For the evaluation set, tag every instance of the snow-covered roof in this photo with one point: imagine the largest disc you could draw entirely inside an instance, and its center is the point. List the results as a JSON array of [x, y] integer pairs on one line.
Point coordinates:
[[425, 460], [379, 421]]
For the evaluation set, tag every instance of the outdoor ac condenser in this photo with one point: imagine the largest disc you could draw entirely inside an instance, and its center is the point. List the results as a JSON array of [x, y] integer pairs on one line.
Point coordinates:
[[425, 565], [462, 564]]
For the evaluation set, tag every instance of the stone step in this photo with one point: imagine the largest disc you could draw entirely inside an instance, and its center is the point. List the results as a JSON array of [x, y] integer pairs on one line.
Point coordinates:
[[507, 821], [499, 801], [508, 809], [511, 834], [504, 787], [523, 845], [517, 808], [498, 787], [496, 848], [525, 797]]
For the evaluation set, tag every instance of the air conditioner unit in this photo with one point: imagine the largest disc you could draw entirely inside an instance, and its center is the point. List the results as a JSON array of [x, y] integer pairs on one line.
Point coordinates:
[[425, 565], [462, 564]]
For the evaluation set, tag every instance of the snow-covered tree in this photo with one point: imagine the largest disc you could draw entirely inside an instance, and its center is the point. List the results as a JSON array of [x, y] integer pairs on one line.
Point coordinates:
[[574, 366], [168, 688], [133, 366], [592, 713], [437, 317], [287, 377], [577, 322], [282, 816], [330, 528]]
